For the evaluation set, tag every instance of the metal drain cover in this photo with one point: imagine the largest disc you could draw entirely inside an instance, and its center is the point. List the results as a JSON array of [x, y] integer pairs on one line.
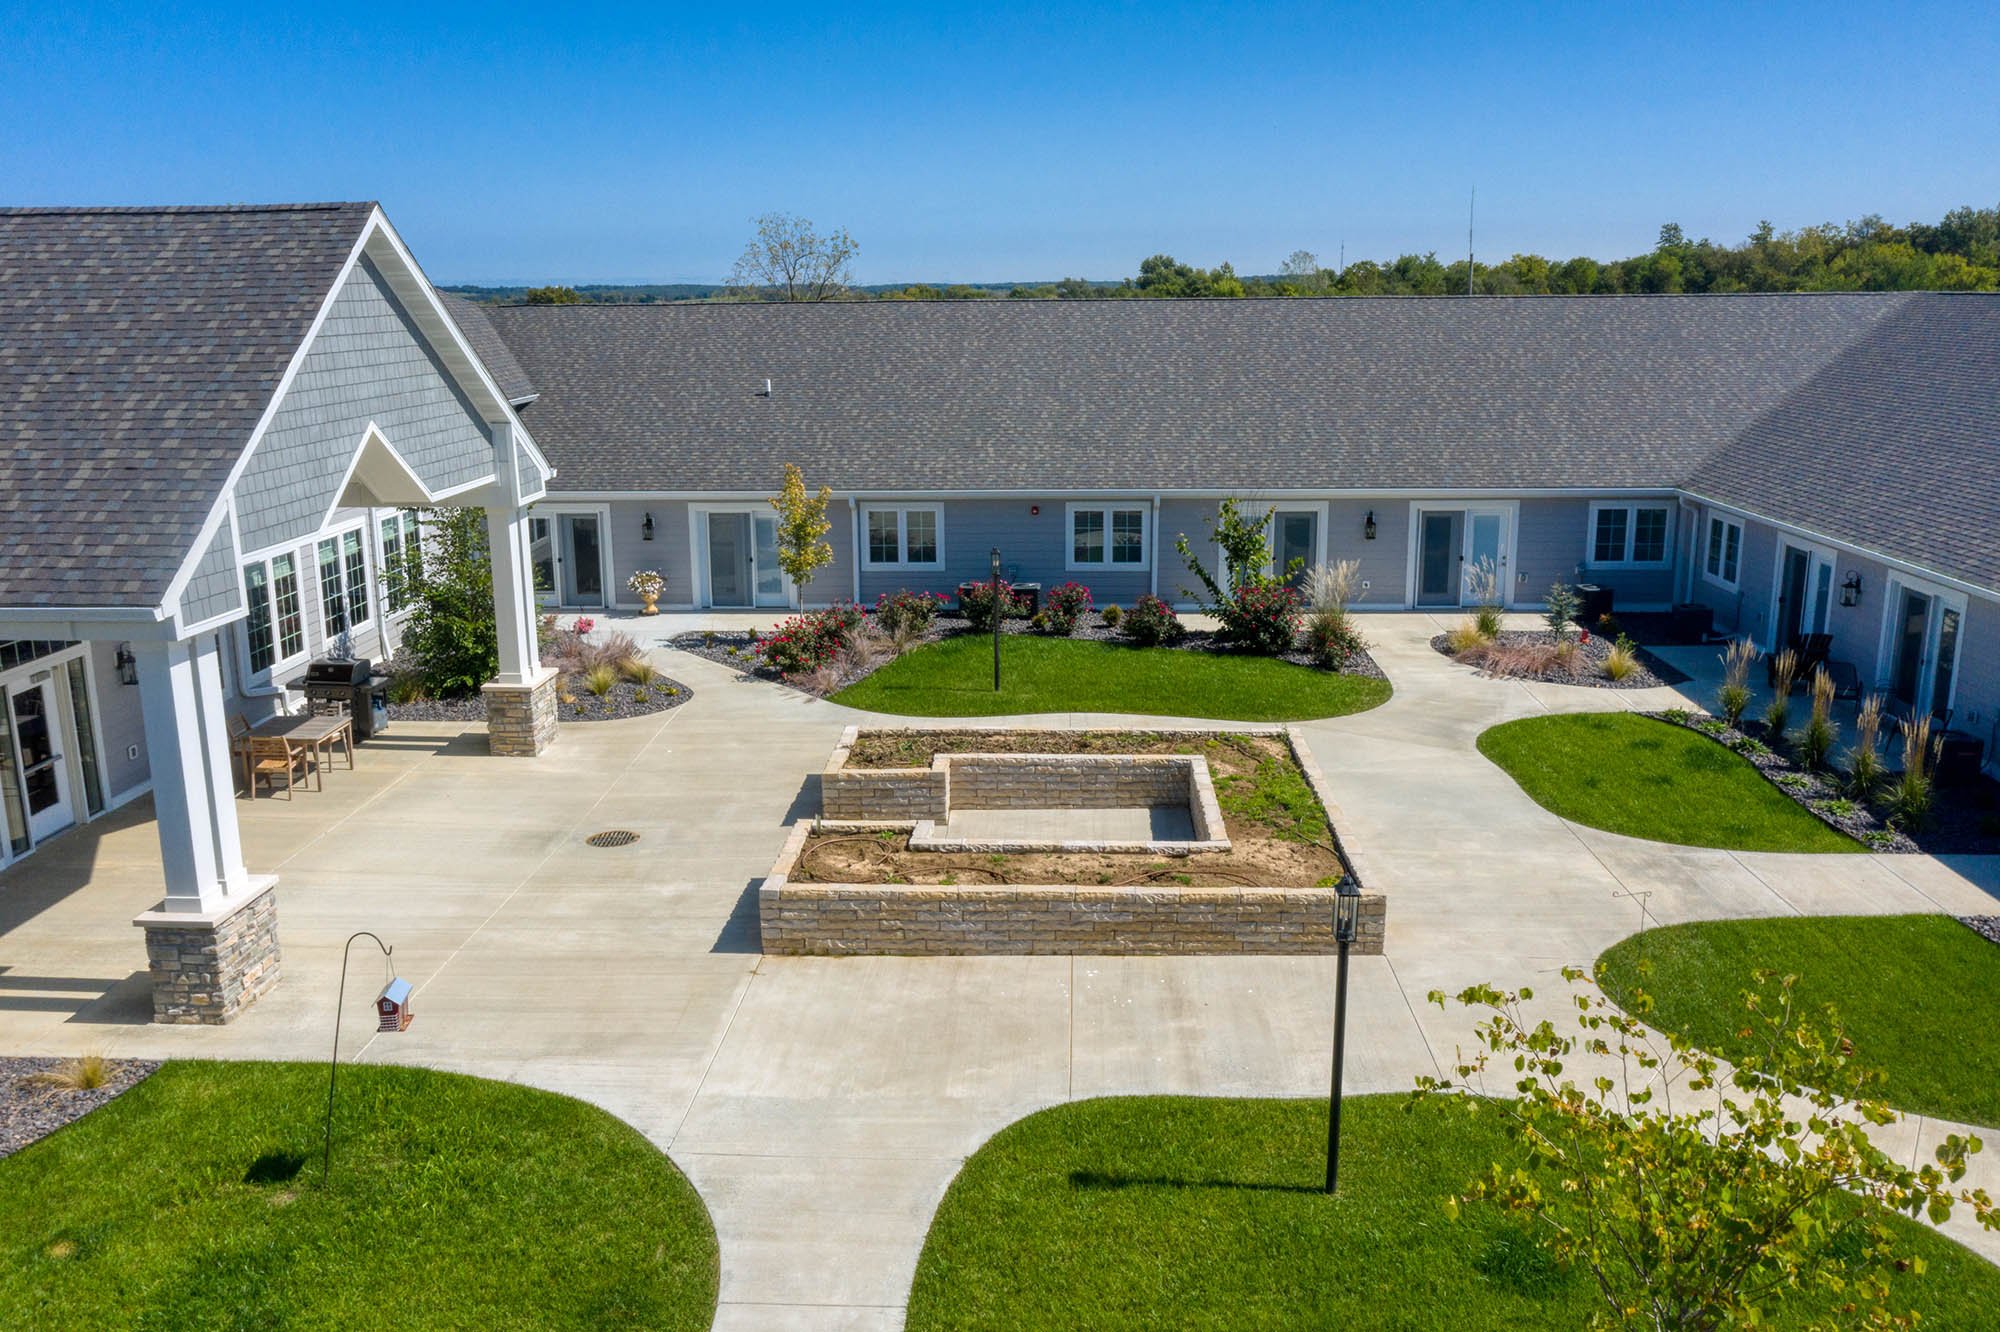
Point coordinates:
[[612, 837]]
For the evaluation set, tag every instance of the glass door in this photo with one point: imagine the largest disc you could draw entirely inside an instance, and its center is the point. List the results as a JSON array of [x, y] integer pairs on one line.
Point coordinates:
[[1438, 558], [1947, 662], [769, 578], [1485, 551], [44, 778], [1912, 629], [730, 580], [1297, 544], [542, 559], [1791, 597], [582, 560]]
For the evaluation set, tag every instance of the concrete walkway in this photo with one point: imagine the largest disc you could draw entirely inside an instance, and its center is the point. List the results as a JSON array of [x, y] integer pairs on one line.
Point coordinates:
[[822, 1106]]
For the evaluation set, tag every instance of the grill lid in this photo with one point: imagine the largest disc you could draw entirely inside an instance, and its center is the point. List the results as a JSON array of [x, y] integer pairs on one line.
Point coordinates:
[[337, 670]]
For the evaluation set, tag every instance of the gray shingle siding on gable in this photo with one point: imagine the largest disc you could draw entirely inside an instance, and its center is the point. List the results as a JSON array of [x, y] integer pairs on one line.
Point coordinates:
[[529, 474], [138, 349], [215, 587], [368, 363]]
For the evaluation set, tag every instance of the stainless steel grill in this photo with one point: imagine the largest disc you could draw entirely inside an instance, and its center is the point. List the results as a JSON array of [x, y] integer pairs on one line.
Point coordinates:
[[349, 685]]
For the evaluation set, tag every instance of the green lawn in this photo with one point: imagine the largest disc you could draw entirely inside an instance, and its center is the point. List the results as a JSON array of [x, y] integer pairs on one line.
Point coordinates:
[[1919, 995], [1647, 778], [193, 1201], [954, 678], [1191, 1213]]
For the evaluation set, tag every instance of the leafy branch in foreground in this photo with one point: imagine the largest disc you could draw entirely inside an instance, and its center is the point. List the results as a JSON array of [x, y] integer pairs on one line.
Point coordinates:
[[1767, 1188]]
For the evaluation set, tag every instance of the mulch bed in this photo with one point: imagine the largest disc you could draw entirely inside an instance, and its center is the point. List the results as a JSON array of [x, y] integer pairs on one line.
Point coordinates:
[[1588, 667], [1964, 820], [623, 701], [914, 747], [29, 1113], [736, 649]]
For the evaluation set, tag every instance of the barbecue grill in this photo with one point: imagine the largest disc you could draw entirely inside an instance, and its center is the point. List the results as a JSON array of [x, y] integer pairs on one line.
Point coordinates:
[[353, 682]]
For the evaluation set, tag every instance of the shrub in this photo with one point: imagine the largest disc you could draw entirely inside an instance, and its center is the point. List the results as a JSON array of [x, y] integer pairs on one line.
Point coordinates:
[[1678, 716], [1487, 621], [1818, 736], [1564, 654], [83, 1073], [980, 606], [1864, 761], [1151, 621], [1111, 615], [1332, 639], [1734, 696], [1622, 661], [807, 641], [1263, 617], [407, 687], [451, 632], [600, 678], [638, 670], [1910, 791], [1559, 608], [1065, 604], [1331, 586], [1608, 626], [904, 614], [1039, 622], [1465, 637], [1509, 661]]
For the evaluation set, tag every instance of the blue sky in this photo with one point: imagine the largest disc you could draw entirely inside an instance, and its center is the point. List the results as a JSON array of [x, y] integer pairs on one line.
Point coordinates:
[[590, 144]]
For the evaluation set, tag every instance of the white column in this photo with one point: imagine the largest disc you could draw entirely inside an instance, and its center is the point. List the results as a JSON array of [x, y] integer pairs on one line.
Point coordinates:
[[194, 786], [513, 595]]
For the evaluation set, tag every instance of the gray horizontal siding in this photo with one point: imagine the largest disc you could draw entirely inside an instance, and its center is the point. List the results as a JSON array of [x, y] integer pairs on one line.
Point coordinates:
[[368, 363]]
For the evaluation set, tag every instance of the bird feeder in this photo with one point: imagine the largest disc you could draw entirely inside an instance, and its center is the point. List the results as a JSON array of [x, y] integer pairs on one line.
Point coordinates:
[[392, 1006]]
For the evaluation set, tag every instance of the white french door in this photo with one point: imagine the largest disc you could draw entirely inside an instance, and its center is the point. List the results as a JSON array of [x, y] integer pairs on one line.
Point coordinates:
[[43, 770], [1454, 550], [742, 559]]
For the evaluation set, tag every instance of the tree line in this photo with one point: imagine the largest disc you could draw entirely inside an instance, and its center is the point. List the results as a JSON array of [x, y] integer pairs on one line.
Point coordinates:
[[790, 260]]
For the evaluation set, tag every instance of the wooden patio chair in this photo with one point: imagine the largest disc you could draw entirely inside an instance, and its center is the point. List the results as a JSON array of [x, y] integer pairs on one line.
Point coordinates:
[[271, 756]]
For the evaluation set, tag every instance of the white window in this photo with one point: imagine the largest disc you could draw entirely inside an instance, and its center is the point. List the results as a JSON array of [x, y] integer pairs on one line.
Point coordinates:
[[400, 559], [343, 583], [1724, 558], [1107, 536], [1628, 534], [903, 536], [276, 626]]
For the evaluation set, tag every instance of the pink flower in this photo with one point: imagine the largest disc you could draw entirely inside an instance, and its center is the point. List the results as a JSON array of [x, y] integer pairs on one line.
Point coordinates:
[[585, 624]]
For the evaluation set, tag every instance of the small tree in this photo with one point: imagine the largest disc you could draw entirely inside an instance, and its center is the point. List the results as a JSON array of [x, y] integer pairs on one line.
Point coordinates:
[[1559, 608], [1769, 1189], [803, 549], [1258, 608], [451, 631], [790, 261]]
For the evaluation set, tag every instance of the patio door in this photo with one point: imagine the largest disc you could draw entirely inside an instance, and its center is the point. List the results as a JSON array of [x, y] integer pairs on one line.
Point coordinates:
[[1791, 620], [1296, 539], [566, 550], [1440, 535], [42, 772], [1924, 631], [743, 560], [1452, 544]]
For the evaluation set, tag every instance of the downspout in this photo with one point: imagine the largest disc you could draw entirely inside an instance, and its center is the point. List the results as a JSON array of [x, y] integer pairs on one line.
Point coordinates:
[[1153, 583], [854, 547]]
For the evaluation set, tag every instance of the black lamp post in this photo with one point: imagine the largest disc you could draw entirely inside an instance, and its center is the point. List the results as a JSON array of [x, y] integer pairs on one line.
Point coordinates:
[[999, 609], [1346, 918]]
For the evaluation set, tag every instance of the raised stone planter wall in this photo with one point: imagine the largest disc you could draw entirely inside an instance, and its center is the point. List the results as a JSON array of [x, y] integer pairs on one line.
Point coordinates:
[[521, 718], [209, 967]]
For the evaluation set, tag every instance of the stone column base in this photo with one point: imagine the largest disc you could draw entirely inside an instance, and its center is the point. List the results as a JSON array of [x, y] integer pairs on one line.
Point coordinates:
[[521, 718], [208, 966]]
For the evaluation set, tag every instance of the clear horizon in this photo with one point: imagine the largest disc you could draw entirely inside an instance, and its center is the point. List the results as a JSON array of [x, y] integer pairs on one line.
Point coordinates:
[[516, 148]]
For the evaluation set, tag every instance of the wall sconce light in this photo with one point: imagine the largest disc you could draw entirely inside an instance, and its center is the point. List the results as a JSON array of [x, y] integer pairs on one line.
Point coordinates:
[[128, 665], [1850, 591], [1034, 510], [646, 528], [1368, 528]]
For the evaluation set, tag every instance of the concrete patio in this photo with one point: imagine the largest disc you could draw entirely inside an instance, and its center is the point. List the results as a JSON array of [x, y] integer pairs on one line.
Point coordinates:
[[822, 1106]]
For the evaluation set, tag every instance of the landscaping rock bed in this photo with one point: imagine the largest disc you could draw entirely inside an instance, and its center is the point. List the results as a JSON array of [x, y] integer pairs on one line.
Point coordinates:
[[1587, 667], [621, 702], [736, 649], [30, 1111], [1963, 821], [1986, 927]]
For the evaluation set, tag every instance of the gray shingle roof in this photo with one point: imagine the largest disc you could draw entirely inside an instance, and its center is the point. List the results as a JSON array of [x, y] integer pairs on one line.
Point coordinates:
[[470, 316], [138, 346], [1537, 392], [1894, 446], [1821, 409]]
